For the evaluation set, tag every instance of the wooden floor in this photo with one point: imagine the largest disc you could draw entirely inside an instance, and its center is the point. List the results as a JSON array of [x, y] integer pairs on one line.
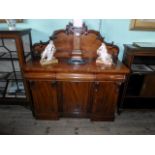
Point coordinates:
[[16, 120]]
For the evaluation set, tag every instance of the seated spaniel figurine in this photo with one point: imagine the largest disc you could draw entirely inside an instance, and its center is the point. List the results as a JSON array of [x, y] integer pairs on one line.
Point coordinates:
[[47, 57], [103, 56], [48, 52]]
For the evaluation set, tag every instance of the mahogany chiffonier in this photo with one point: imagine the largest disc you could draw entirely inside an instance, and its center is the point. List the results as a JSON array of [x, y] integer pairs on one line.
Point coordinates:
[[66, 89]]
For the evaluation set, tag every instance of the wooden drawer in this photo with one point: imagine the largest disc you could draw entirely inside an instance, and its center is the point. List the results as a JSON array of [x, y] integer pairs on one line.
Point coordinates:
[[37, 76], [109, 77], [75, 77]]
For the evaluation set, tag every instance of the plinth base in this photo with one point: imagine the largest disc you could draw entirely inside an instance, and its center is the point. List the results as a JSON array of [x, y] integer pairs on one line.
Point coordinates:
[[45, 62]]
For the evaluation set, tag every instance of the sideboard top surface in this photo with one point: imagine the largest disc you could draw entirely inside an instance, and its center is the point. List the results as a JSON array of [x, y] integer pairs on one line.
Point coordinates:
[[65, 67]]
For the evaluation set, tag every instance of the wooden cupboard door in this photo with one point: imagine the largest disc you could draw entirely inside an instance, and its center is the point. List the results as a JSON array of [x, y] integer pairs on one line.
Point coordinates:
[[44, 94], [76, 98], [148, 86], [104, 101]]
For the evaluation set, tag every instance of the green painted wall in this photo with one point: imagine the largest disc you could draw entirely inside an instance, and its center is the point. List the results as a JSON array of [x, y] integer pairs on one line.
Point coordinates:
[[116, 30]]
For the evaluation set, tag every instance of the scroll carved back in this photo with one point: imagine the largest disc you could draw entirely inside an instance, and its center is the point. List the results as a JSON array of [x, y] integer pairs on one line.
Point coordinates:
[[89, 43]]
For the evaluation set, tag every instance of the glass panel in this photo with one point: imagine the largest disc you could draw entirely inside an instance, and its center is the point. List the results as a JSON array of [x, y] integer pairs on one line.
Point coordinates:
[[3, 50], [11, 85], [26, 43], [8, 49], [5, 66], [10, 44], [17, 67], [26, 46]]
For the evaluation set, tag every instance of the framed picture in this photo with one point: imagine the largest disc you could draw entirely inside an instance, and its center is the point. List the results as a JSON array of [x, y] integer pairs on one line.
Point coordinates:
[[17, 20], [142, 24]]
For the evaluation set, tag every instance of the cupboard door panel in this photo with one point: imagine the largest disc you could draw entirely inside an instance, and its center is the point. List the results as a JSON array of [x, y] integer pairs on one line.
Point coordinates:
[[148, 86], [104, 102], [44, 94], [76, 97]]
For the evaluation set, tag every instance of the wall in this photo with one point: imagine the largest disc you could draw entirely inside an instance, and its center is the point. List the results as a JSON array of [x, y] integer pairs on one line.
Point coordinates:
[[116, 30]]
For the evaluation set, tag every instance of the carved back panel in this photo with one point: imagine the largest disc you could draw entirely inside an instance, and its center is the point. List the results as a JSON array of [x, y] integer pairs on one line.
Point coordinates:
[[62, 40], [65, 42]]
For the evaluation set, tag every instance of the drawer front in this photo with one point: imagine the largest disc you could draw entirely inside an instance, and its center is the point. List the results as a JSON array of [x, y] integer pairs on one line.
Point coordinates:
[[75, 77], [40, 76], [110, 77]]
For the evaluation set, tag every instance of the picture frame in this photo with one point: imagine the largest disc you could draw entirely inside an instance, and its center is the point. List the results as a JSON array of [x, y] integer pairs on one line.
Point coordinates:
[[17, 20], [142, 24]]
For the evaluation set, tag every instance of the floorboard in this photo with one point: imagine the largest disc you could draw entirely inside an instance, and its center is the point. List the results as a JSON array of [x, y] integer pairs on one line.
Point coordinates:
[[17, 120]]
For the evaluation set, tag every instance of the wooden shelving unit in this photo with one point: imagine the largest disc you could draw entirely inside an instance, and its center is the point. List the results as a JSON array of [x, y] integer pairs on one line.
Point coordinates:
[[140, 87], [12, 90]]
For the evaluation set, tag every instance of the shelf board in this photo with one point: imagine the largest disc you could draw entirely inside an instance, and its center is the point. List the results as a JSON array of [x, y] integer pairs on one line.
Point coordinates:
[[15, 96], [141, 68], [8, 89], [14, 91], [143, 73], [4, 75], [6, 55], [12, 76]]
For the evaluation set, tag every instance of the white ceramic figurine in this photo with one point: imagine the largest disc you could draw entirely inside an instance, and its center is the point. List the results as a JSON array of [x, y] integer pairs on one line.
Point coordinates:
[[103, 55], [47, 57], [48, 52]]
